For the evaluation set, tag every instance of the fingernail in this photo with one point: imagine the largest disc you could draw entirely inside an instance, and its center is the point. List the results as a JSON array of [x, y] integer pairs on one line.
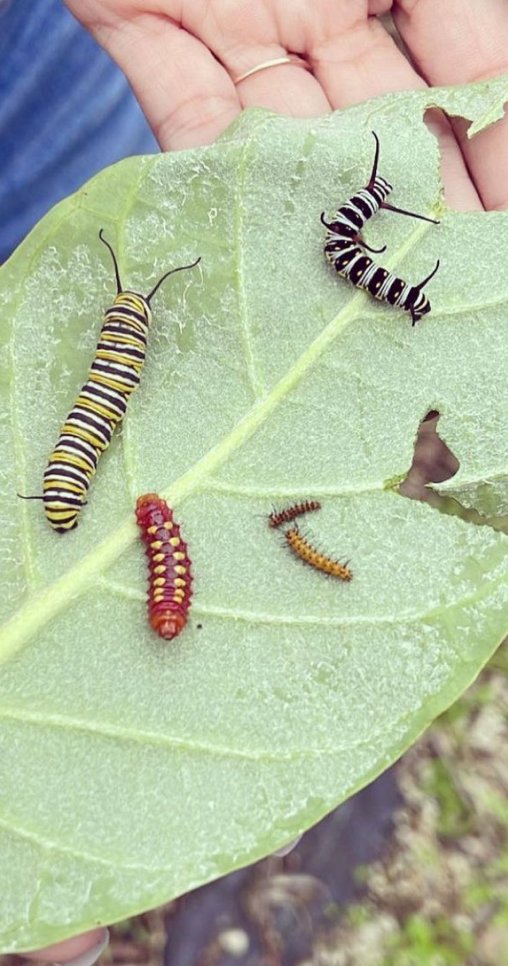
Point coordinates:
[[92, 955], [286, 849]]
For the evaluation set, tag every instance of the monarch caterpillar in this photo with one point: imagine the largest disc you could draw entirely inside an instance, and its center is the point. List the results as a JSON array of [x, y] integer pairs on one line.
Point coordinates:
[[344, 247], [169, 574], [101, 404], [306, 552], [289, 513]]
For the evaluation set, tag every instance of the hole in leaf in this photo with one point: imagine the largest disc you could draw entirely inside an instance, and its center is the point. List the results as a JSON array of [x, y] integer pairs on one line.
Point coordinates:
[[433, 461], [459, 191]]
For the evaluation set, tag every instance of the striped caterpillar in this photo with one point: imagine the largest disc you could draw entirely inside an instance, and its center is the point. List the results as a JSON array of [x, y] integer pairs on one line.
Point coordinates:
[[344, 247], [101, 404]]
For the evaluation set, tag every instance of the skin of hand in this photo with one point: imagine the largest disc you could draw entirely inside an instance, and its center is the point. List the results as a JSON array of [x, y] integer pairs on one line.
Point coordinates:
[[181, 58], [73, 949]]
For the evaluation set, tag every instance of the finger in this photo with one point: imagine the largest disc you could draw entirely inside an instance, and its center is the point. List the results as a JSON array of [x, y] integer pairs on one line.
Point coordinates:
[[361, 61], [377, 7], [460, 192], [81, 950], [186, 95], [469, 43], [245, 34], [286, 849], [285, 88]]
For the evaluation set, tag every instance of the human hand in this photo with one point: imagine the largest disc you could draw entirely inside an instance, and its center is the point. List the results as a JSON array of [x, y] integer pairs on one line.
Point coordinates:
[[182, 56], [83, 950]]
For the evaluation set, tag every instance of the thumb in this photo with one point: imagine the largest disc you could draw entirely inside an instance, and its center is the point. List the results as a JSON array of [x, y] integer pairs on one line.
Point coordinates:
[[83, 950]]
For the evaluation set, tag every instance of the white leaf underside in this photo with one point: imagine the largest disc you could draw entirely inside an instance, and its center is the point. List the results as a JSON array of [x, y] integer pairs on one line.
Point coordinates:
[[132, 771]]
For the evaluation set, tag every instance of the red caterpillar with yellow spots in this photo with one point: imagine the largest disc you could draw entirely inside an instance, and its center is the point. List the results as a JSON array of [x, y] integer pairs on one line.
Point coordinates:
[[169, 573]]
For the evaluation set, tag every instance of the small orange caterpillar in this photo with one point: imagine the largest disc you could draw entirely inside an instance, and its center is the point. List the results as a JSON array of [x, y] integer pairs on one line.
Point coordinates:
[[290, 512], [314, 558]]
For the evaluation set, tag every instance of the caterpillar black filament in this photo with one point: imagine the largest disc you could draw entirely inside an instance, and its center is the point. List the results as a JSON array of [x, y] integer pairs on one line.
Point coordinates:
[[101, 404], [344, 248]]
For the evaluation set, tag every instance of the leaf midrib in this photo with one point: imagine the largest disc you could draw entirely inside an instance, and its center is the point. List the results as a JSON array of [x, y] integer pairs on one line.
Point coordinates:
[[42, 607]]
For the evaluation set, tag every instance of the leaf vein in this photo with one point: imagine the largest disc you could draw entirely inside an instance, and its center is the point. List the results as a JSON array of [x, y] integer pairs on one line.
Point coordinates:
[[119, 732]]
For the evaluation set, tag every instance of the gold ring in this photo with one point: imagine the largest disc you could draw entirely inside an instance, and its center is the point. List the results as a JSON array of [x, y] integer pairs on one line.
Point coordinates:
[[277, 62]]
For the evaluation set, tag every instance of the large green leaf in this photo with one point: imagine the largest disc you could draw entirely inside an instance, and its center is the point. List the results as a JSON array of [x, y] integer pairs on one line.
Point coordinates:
[[131, 770]]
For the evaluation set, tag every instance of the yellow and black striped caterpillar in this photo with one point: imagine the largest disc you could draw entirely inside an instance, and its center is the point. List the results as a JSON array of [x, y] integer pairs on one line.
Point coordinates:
[[344, 247], [101, 404]]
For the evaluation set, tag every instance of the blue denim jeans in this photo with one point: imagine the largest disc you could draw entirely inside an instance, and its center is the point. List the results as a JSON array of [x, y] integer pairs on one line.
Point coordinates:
[[66, 111]]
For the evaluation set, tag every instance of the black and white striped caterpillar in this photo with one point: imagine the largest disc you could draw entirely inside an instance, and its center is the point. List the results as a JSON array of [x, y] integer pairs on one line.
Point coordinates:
[[345, 248], [101, 404]]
